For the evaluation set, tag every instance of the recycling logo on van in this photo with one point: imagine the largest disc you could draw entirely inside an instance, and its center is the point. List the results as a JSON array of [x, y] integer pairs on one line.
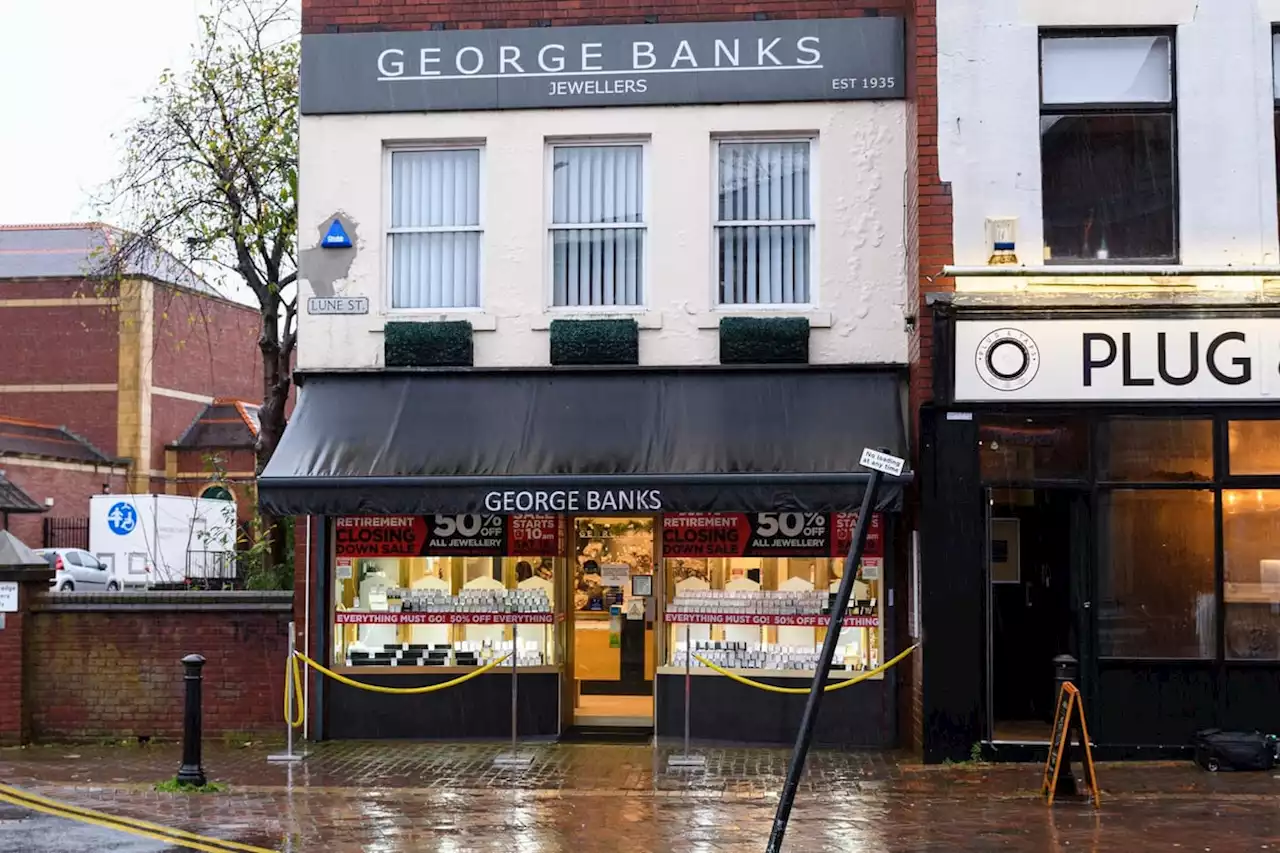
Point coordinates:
[[122, 518]]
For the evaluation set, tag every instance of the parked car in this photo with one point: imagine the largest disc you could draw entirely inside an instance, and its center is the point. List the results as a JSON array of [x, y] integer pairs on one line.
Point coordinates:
[[78, 570]]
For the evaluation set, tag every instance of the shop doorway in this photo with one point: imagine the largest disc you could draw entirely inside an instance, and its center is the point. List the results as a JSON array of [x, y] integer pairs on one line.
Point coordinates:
[[1036, 543], [613, 615]]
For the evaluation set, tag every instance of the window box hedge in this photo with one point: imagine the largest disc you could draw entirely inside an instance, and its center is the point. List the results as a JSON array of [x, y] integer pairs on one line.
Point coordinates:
[[575, 342], [443, 343], [764, 340]]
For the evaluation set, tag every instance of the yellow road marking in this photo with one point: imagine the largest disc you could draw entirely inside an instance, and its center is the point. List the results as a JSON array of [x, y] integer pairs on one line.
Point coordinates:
[[156, 832]]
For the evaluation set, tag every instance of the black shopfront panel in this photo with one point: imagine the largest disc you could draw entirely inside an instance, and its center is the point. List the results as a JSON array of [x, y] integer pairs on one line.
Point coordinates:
[[1176, 585], [952, 581], [861, 716]]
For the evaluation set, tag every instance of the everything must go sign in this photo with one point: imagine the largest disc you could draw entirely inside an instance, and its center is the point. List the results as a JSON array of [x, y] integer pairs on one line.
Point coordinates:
[[634, 65]]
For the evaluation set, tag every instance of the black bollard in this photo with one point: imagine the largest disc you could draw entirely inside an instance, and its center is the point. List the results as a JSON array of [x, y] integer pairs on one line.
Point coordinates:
[[1066, 669], [191, 772]]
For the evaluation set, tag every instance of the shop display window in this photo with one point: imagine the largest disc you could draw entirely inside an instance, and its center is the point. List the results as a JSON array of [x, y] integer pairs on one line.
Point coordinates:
[[1251, 550], [1021, 450], [752, 592], [446, 590], [1254, 447], [1156, 574], [1157, 450]]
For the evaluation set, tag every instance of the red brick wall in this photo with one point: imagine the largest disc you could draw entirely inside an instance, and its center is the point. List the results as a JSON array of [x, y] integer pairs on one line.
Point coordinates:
[[54, 288], [170, 417], [933, 249], [935, 221], [320, 16], [56, 344], [115, 672], [70, 490], [61, 345], [928, 214], [206, 346], [12, 729], [89, 414]]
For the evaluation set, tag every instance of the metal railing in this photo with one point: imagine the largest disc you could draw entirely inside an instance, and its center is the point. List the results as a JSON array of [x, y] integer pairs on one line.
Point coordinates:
[[65, 533]]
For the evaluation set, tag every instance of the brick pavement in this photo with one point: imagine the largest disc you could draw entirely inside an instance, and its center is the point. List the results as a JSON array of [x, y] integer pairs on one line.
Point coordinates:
[[392, 797]]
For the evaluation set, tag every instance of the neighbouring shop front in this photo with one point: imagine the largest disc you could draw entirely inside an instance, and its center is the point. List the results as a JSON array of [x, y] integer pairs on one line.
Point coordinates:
[[596, 525], [1101, 483]]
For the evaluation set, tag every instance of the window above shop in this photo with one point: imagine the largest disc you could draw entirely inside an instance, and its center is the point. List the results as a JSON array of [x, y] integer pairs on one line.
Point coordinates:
[[435, 228], [1107, 142], [1275, 94], [764, 221], [598, 225]]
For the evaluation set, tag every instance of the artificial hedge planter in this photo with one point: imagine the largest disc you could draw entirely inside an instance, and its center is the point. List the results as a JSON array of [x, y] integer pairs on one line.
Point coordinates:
[[595, 342], [445, 343], [764, 340]]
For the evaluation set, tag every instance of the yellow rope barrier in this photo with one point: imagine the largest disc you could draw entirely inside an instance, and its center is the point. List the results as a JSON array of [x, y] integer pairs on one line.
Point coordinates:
[[801, 690], [400, 691], [293, 673]]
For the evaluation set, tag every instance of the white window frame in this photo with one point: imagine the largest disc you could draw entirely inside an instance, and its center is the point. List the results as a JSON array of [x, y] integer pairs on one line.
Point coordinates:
[[550, 144], [812, 221], [390, 149]]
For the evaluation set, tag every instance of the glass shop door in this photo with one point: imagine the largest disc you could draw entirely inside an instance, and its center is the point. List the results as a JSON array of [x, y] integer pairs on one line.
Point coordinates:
[[611, 612]]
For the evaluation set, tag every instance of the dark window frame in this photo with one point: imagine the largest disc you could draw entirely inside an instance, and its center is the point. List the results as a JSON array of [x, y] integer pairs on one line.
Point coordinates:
[[1092, 481], [1170, 107], [1275, 110]]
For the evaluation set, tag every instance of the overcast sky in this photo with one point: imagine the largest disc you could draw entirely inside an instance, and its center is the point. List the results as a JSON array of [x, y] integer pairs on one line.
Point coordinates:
[[71, 73]]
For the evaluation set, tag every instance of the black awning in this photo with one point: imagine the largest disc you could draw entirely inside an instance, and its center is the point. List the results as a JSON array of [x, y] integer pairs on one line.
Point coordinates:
[[640, 440]]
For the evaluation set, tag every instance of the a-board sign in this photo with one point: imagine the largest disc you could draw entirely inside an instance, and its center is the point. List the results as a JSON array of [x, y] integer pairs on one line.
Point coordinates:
[[1070, 705]]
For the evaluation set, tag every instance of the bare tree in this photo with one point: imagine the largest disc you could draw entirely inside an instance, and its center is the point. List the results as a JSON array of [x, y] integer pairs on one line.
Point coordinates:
[[210, 172]]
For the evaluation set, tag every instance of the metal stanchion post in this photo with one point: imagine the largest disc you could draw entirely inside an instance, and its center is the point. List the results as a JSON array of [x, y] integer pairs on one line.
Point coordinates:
[[191, 772], [687, 760], [514, 759], [879, 463], [290, 691]]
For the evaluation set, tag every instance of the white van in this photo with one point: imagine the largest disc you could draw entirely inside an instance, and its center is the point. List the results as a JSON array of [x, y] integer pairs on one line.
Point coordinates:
[[163, 541]]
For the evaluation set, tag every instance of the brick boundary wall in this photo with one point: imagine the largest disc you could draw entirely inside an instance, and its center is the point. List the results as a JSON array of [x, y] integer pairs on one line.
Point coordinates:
[[108, 665]]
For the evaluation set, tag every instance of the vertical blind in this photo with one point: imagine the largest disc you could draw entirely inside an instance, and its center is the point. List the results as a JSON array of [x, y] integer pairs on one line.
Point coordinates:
[[764, 226], [597, 225], [435, 229]]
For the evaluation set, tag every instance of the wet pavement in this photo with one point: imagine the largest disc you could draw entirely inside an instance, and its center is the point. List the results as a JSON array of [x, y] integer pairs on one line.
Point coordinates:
[[25, 831], [587, 798]]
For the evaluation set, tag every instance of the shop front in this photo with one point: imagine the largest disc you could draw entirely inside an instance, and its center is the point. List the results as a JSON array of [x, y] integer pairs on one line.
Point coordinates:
[[589, 530], [1102, 483]]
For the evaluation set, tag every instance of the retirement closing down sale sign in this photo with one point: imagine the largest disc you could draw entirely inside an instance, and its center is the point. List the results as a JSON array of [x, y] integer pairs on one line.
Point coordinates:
[[474, 535]]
